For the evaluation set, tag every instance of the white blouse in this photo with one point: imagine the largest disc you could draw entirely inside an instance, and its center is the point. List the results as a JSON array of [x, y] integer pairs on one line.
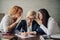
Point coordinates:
[[29, 28], [6, 21], [53, 27]]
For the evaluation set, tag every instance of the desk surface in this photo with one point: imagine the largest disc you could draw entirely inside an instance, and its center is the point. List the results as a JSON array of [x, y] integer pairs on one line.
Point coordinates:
[[14, 37], [56, 36], [7, 37]]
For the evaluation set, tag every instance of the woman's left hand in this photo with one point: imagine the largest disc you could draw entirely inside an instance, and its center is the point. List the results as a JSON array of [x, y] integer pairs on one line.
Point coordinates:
[[18, 19], [38, 21], [32, 33]]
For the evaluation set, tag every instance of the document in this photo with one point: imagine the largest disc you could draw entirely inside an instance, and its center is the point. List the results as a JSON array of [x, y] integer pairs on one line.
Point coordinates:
[[28, 36]]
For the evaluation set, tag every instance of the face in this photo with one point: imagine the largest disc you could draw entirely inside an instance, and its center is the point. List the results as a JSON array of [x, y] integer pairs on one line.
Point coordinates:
[[30, 19], [40, 16], [18, 14]]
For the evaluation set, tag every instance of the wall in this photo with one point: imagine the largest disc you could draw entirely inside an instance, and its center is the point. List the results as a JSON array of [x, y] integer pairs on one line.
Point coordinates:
[[53, 6], [0, 6]]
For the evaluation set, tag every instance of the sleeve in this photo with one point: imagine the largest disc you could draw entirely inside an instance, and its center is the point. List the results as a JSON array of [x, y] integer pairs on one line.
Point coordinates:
[[53, 27], [18, 27], [40, 31], [1, 27], [43, 28], [6, 23]]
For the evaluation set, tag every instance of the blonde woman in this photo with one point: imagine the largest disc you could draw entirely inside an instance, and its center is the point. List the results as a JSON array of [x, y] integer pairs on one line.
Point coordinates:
[[10, 20], [29, 25]]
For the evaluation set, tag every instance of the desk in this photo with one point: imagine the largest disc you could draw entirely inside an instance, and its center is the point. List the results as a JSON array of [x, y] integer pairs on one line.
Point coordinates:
[[55, 36], [7, 37], [14, 37]]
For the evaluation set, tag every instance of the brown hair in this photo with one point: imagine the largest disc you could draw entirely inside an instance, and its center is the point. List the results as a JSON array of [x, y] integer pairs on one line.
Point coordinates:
[[18, 7], [46, 16], [15, 9]]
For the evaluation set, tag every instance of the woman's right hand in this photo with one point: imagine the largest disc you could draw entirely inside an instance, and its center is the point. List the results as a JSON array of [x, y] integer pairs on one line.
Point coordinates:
[[38, 21], [24, 34], [18, 19]]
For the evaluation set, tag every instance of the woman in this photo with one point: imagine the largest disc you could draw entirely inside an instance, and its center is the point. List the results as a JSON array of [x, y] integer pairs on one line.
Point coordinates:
[[10, 20], [29, 25], [47, 23]]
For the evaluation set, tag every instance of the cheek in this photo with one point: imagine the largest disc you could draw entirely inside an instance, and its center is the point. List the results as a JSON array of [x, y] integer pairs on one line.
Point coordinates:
[[28, 21], [19, 14], [32, 19], [41, 16]]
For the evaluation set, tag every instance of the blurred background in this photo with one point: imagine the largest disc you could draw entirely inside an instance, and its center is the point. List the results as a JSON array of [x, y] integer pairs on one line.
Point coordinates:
[[53, 7]]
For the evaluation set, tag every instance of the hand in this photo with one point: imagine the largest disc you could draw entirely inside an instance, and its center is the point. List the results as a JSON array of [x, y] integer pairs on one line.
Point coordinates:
[[18, 19], [24, 33], [32, 33], [38, 21]]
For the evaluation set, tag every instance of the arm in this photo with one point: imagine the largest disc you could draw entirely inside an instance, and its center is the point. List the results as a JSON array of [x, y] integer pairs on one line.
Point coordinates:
[[18, 27], [41, 29], [10, 27], [13, 25], [32, 33], [5, 23], [53, 27]]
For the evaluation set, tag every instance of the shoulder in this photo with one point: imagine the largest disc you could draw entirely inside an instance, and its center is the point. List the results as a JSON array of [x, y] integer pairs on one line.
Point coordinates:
[[6, 17], [23, 22], [51, 19], [35, 23], [52, 22]]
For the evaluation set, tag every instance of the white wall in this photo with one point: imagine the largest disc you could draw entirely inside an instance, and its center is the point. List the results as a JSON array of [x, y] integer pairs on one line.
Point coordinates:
[[0, 6], [53, 6]]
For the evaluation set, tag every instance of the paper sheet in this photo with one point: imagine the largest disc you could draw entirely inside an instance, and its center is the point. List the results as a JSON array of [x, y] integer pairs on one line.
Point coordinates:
[[24, 36]]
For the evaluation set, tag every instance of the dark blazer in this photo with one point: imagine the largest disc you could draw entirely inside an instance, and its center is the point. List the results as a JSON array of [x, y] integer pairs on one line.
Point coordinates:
[[35, 27]]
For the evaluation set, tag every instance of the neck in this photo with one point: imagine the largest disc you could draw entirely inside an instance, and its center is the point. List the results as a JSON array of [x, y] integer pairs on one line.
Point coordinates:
[[40, 19], [29, 24]]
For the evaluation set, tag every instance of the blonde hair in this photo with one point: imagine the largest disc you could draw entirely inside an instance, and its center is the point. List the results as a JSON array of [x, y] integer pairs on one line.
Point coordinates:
[[31, 13], [15, 9]]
